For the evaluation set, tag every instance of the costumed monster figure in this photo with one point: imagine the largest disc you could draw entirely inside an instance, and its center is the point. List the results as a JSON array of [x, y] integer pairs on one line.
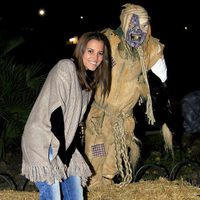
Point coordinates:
[[110, 144]]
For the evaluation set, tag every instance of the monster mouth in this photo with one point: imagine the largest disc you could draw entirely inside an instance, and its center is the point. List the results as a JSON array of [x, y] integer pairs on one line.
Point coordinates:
[[135, 37]]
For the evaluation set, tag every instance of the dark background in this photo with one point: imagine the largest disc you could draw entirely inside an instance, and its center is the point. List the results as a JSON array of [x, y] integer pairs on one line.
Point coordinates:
[[46, 36]]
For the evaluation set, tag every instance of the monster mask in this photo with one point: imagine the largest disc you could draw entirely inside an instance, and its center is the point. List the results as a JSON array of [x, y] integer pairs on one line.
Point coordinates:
[[134, 24]]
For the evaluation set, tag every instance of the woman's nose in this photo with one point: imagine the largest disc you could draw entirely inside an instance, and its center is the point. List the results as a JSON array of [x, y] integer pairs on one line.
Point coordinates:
[[95, 56]]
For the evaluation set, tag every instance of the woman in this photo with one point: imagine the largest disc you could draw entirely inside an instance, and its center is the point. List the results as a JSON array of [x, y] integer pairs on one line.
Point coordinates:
[[50, 157]]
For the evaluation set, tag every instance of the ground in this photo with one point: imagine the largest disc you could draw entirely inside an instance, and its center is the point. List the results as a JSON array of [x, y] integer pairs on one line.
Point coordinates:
[[10, 167]]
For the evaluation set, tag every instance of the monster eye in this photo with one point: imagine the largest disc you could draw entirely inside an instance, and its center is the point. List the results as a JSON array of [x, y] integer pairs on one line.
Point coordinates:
[[143, 26]]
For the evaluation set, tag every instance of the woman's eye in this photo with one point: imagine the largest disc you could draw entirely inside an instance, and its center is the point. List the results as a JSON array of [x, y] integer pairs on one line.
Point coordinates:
[[89, 51]]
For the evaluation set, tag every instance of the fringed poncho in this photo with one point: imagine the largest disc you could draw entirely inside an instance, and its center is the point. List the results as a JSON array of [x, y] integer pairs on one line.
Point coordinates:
[[61, 89]]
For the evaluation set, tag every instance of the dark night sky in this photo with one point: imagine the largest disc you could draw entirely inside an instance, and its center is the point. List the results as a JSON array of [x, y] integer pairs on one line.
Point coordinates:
[[46, 36]]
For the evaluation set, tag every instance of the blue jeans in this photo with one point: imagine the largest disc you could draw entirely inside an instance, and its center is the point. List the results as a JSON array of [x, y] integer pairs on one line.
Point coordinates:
[[68, 189]]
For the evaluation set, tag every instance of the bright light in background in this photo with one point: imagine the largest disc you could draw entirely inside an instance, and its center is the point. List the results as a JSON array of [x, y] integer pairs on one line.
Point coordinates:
[[186, 28], [72, 40], [81, 17], [42, 12]]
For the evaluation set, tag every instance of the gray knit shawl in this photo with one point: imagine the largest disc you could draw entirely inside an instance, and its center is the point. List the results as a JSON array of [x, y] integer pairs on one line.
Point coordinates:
[[61, 88]]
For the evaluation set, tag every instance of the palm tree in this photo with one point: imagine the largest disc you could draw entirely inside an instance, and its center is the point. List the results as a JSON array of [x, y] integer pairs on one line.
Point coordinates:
[[19, 87]]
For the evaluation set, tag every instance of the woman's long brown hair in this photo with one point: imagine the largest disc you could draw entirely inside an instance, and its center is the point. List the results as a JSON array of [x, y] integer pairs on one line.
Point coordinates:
[[102, 75]]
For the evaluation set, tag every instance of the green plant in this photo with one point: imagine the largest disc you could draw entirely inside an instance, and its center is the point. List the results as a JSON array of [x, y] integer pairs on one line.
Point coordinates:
[[19, 87]]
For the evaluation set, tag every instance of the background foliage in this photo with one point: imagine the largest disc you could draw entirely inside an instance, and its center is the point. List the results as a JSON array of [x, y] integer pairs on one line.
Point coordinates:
[[19, 87]]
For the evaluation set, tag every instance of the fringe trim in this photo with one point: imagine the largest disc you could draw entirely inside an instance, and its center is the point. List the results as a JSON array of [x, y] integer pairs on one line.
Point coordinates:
[[55, 171], [78, 167]]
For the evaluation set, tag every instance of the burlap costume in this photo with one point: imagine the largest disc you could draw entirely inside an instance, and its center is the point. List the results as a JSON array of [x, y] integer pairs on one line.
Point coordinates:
[[110, 144]]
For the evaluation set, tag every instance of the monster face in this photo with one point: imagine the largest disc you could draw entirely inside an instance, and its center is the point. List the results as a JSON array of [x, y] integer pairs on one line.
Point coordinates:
[[134, 24], [136, 32]]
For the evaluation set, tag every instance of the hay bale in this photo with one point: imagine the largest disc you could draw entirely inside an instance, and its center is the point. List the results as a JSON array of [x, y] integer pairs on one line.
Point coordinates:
[[145, 190], [18, 195], [160, 189]]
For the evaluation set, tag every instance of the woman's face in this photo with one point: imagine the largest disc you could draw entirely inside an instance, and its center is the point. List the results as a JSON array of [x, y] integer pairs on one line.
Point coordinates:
[[93, 55]]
